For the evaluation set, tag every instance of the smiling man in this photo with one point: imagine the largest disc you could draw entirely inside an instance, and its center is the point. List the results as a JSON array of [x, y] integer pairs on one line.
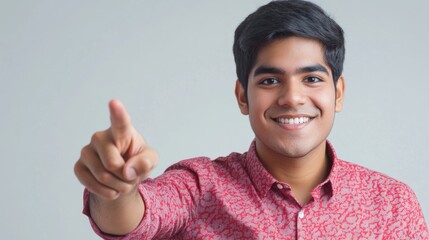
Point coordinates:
[[289, 185], [291, 101]]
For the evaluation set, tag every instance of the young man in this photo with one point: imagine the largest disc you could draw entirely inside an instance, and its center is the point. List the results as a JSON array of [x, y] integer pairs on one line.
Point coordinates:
[[289, 185]]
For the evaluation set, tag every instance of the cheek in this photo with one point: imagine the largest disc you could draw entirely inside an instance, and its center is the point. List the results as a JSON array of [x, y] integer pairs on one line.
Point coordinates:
[[325, 102], [259, 103]]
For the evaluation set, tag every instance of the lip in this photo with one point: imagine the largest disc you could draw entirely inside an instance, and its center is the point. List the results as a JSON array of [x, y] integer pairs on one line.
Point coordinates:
[[293, 116]]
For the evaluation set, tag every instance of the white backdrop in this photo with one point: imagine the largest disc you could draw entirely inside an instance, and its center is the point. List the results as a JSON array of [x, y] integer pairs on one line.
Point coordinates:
[[171, 64]]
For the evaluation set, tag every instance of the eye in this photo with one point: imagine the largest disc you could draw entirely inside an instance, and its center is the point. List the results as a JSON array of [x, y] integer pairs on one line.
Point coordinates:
[[313, 80], [269, 81]]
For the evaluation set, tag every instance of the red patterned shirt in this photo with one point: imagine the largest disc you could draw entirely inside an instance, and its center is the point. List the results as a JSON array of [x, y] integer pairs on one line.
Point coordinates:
[[234, 197]]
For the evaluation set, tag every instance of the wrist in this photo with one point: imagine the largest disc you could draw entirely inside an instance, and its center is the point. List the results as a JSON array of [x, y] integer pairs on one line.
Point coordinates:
[[119, 216]]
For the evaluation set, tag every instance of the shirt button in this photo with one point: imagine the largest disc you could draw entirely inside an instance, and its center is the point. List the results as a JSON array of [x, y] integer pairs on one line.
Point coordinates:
[[301, 214], [279, 186]]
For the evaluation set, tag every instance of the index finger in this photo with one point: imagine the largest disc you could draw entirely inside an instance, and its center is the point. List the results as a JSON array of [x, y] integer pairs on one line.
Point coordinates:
[[120, 121]]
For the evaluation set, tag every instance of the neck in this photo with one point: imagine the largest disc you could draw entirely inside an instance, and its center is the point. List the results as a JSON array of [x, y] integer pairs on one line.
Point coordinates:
[[302, 174]]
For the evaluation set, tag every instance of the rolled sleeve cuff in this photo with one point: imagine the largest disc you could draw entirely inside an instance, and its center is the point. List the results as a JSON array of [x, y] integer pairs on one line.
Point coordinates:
[[137, 233]]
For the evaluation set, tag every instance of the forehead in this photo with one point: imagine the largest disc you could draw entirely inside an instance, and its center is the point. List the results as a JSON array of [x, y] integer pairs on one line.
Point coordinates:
[[291, 53]]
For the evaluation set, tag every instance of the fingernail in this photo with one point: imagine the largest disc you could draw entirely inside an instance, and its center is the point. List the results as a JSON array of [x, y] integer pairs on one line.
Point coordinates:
[[131, 173]]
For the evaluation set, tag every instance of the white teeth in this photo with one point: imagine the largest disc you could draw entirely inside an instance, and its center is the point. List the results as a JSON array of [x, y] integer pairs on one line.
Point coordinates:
[[296, 120]]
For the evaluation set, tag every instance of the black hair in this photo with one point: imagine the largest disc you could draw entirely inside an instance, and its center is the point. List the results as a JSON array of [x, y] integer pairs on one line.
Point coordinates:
[[282, 19]]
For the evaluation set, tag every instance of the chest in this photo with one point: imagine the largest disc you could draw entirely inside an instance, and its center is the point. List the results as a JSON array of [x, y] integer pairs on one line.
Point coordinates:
[[244, 215]]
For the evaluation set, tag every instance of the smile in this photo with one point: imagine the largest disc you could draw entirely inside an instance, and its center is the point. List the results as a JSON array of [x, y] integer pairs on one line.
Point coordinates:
[[293, 121]]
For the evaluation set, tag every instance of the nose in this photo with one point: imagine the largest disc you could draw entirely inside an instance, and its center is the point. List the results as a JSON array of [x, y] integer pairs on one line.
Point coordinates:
[[292, 94]]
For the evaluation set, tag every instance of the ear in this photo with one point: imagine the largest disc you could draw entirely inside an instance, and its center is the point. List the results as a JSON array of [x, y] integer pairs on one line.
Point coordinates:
[[339, 98], [241, 98]]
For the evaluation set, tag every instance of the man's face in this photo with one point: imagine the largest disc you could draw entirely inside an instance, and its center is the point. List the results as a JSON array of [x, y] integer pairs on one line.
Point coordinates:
[[292, 99]]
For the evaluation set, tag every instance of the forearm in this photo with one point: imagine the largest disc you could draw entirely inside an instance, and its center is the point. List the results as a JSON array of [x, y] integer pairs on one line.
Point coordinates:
[[117, 217]]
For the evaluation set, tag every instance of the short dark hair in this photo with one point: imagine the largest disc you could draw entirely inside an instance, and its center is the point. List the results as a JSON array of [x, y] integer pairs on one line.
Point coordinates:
[[282, 19]]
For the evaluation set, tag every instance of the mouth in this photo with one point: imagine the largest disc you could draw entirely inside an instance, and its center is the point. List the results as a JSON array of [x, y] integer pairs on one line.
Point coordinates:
[[293, 120]]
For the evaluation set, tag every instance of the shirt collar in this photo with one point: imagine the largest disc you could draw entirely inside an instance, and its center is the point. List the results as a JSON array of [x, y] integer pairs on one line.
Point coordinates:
[[336, 168], [263, 180]]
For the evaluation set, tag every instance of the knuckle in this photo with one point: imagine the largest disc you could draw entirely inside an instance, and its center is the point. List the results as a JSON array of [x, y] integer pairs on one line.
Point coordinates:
[[105, 178], [125, 188], [146, 165], [111, 165], [153, 161], [77, 168], [151, 165], [83, 176], [84, 152], [148, 161], [111, 195], [98, 137], [106, 194]]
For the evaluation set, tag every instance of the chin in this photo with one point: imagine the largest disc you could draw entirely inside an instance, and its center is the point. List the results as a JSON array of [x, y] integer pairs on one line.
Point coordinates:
[[296, 149], [294, 153]]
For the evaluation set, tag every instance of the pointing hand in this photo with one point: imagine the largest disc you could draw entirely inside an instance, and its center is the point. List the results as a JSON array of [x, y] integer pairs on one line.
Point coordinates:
[[115, 160]]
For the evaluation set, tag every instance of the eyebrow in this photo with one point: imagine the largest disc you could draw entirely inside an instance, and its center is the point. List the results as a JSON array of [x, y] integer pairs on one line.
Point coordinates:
[[313, 68], [274, 70], [265, 69]]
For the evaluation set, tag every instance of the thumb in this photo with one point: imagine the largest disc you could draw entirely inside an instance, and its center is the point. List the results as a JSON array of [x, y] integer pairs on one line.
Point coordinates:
[[140, 165]]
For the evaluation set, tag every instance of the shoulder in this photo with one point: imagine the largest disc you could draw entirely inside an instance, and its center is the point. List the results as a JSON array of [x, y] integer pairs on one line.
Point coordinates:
[[366, 178], [385, 197], [207, 167], [377, 186]]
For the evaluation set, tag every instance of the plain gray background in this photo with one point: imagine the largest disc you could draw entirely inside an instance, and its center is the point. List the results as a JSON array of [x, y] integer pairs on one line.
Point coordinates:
[[171, 64]]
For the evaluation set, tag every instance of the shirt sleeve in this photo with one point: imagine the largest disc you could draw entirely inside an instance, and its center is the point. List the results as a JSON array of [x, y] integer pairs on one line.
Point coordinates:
[[169, 202], [407, 220]]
